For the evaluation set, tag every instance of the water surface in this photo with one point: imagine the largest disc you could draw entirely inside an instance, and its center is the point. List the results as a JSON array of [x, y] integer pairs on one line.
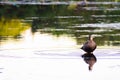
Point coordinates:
[[43, 41]]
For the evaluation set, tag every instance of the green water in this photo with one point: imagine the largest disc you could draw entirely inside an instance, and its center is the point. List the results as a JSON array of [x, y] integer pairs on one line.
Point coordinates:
[[75, 21]]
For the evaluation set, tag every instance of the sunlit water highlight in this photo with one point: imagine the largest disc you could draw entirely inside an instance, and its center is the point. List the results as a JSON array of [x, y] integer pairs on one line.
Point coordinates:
[[38, 40], [57, 64]]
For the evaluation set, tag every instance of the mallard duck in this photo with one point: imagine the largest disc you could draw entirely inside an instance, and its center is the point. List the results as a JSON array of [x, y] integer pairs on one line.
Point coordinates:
[[90, 45]]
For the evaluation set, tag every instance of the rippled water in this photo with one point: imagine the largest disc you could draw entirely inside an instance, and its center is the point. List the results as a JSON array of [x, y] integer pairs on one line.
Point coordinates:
[[36, 44]]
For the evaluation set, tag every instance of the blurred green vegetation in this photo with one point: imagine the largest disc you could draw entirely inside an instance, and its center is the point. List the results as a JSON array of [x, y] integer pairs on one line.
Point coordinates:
[[12, 27]]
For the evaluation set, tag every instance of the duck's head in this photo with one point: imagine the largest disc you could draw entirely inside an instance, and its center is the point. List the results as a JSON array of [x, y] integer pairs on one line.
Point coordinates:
[[91, 37]]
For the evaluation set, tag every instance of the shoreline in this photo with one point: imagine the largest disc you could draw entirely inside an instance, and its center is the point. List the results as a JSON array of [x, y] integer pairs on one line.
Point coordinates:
[[57, 3]]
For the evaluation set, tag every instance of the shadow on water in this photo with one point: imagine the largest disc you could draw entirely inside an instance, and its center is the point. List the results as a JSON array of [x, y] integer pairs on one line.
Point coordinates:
[[90, 59]]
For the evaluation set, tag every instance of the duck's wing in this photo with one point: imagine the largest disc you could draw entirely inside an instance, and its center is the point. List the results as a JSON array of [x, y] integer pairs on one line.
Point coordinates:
[[95, 46], [85, 45]]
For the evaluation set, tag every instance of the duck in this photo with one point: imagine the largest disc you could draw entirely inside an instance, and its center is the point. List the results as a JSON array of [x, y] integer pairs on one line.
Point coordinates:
[[89, 46]]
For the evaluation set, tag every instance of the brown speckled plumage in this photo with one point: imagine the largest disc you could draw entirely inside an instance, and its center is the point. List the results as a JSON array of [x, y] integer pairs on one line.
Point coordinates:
[[90, 45]]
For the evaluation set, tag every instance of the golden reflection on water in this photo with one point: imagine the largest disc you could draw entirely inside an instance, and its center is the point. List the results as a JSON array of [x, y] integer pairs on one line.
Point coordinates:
[[39, 41], [12, 27]]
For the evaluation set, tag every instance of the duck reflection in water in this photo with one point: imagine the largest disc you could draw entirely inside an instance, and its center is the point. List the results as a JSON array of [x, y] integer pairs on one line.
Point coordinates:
[[90, 59]]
